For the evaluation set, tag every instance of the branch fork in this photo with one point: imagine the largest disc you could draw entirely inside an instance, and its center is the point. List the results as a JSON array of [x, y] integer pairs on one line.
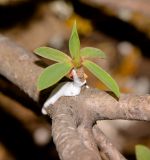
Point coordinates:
[[74, 128]]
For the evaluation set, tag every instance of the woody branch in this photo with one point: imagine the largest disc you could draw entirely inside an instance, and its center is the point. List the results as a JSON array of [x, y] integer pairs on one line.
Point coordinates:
[[73, 118]]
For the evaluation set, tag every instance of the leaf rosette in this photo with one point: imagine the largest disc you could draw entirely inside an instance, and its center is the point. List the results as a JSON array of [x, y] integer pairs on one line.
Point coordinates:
[[78, 58]]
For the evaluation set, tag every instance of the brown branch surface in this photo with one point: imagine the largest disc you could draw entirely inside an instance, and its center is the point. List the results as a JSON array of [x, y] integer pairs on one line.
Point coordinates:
[[72, 117], [18, 65], [105, 146], [92, 105], [75, 116]]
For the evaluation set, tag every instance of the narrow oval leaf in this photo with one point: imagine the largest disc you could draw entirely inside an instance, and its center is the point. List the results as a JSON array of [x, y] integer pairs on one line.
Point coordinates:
[[102, 76], [142, 152], [90, 52], [74, 43], [53, 74], [52, 54]]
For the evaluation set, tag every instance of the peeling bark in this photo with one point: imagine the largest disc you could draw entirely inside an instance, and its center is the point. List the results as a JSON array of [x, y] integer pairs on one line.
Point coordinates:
[[73, 118]]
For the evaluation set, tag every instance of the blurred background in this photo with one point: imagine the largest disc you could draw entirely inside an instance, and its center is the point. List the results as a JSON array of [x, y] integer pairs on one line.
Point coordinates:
[[120, 28]]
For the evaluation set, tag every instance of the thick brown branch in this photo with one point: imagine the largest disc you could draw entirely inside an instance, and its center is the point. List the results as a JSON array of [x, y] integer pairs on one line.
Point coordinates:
[[73, 117], [76, 115], [92, 105], [105, 146], [18, 65], [72, 142]]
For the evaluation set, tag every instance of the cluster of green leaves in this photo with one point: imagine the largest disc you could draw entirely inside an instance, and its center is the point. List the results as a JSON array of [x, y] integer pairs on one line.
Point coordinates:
[[142, 152], [79, 57]]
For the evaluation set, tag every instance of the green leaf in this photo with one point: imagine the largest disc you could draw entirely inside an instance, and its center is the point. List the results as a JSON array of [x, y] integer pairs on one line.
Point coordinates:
[[53, 74], [52, 54], [74, 44], [142, 152], [90, 52], [102, 76]]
